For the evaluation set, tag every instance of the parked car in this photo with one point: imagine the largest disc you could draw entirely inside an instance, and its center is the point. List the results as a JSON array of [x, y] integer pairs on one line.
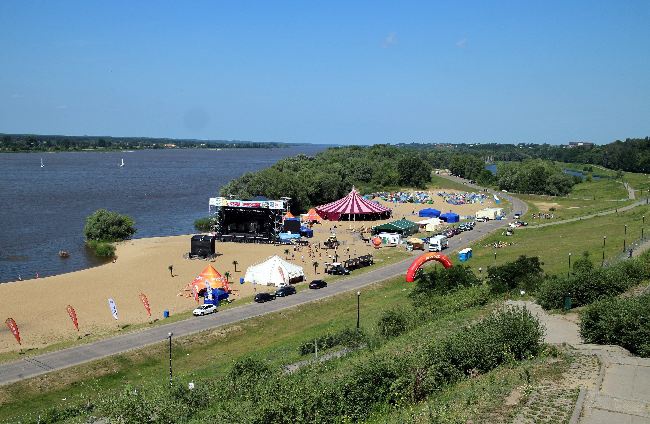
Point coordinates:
[[337, 268], [481, 219], [285, 291], [204, 310], [517, 215], [317, 284], [264, 297]]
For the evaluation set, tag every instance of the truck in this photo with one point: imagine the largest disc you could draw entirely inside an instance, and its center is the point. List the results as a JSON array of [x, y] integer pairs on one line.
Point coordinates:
[[438, 243]]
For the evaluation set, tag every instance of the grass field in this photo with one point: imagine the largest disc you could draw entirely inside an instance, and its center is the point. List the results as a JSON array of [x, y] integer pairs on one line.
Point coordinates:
[[554, 243]]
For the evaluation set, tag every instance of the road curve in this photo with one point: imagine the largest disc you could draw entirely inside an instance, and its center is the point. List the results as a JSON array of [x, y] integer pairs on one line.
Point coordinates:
[[41, 364]]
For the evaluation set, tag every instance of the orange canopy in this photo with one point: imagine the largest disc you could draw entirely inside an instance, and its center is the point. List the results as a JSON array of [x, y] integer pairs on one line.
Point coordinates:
[[289, 215], [312, 216], [208, 276]]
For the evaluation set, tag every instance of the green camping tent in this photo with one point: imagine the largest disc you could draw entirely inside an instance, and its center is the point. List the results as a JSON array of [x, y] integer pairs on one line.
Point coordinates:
[[401, 226]]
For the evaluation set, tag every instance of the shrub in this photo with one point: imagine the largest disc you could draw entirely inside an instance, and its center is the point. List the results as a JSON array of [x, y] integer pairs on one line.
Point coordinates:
[[347, 337], [104, 225], [623, 322], [102, 249], [586, 287], [524, 272], [392, 322], [204, 225], [246, 373], [441, 281]]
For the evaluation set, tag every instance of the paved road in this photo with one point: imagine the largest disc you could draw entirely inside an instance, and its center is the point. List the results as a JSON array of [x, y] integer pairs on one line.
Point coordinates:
[[41, 364]]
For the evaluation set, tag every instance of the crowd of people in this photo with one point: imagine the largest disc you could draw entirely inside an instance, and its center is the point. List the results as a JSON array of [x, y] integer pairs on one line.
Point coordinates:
[[543, 215]]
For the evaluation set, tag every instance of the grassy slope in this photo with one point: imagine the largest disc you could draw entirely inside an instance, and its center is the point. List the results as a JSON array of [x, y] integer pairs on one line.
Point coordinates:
[[554, 243]]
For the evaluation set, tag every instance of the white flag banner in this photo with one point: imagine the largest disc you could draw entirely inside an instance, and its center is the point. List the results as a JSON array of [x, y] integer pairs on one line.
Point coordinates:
[[113, 306]]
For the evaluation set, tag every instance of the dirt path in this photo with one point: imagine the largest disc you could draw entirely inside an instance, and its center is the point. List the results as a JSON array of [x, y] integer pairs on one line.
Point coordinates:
[[630, 191], [619, 393]]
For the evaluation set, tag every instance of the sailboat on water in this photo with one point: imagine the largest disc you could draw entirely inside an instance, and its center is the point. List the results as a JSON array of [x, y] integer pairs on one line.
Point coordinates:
[[42, 164], [122, 163]]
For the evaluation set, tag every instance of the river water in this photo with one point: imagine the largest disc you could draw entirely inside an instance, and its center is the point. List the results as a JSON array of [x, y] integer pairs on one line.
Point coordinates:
[[42, 210]]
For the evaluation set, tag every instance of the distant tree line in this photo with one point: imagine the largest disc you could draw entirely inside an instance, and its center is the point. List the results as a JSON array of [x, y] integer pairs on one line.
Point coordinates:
[[331, 174], [54, 143], [631, 155]]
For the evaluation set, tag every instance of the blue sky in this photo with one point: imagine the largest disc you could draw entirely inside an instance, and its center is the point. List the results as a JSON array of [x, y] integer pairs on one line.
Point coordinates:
[[328, 72]]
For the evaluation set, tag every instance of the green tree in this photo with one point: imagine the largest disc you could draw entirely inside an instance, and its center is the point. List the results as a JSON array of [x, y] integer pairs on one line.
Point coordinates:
[[524, 272], [413, 171], [204, 225], [104, 225]]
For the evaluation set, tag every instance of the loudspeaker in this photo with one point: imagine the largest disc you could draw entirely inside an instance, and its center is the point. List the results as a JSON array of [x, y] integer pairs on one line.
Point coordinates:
[[202, 246]]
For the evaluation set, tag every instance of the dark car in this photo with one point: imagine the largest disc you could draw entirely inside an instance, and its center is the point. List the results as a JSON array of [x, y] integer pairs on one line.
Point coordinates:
[[264, 297], [285, 291], [317, 284]]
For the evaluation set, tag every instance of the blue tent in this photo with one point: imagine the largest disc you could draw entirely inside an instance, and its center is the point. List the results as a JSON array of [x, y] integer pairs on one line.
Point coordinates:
[[217, 296], [306, 232], [429, 213], [450, 217]]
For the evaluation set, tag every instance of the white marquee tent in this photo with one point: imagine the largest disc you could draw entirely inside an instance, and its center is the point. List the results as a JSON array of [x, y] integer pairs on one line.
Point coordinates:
[[430, 224], [275, 271]]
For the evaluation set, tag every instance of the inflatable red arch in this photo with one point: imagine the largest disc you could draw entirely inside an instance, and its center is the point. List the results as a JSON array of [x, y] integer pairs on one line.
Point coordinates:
[[421, 260]]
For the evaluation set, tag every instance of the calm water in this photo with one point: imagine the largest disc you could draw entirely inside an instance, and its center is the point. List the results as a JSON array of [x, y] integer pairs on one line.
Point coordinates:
[[42, 210]]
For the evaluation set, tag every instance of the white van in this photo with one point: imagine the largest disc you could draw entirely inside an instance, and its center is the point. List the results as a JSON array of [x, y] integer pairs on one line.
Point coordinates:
[[438, 243]]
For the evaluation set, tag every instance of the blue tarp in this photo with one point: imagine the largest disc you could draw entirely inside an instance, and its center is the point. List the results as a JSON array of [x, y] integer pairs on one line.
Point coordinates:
[[429, 213], [450, 217], [289, 236], [306, 232]]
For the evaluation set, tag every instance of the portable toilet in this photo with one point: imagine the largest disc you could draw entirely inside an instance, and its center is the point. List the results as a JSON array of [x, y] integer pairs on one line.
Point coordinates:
[[464, 255]]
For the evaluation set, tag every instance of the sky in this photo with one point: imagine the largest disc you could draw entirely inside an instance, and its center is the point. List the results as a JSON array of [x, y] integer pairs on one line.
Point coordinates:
[[333, 72]]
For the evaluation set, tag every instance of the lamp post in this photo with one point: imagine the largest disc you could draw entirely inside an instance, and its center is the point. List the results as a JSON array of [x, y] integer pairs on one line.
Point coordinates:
[[358, 309], [625, 231], [169, 335], [569, 272], [604, 239], [495, 257]]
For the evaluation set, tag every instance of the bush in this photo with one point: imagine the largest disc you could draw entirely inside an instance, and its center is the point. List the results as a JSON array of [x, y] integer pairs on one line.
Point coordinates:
[[622, 322], [347, 337], [102, 249], [441, 281], [523, 273], [588, 286], [392, 323], [204, 225], [108, 226]]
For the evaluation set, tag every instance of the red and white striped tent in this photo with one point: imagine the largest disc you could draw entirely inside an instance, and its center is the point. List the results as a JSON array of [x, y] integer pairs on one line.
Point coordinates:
[[353, 207]]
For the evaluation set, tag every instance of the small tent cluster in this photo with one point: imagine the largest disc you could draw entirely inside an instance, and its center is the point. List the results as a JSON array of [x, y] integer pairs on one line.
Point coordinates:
[[275, 271], [430, 224]]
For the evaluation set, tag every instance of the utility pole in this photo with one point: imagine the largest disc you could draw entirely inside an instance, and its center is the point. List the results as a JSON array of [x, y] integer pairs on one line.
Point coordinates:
[[169, 335]]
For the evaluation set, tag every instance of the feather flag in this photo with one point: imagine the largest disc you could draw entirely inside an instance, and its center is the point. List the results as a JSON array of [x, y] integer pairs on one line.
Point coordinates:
[[145, 302], [113, 306], [73, 316], [13, 327]]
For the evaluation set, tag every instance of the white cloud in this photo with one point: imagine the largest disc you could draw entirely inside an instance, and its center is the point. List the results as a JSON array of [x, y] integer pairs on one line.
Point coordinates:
[[461, 43], [390, 40]]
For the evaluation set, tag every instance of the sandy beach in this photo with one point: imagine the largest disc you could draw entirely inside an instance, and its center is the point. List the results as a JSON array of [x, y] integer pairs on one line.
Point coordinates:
[[39, 305]]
